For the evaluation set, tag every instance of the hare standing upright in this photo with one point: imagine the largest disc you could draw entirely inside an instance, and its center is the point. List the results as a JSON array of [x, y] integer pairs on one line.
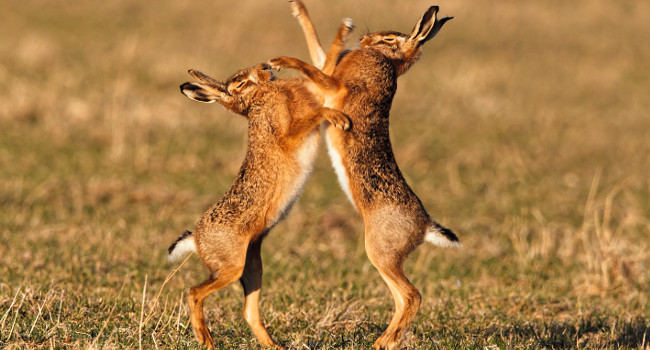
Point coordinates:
[[362, 86], [283, 119]]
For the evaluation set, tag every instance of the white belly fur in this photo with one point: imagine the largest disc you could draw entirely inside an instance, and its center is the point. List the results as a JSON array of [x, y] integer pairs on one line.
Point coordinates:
[[305, 156], [339, 169]]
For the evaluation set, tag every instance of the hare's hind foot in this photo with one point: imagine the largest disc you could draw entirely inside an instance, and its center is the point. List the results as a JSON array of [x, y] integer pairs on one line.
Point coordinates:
[[197, 294], [200, 330]]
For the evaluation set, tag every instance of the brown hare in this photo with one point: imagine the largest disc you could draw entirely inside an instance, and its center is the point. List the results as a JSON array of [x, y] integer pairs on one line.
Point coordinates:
[[283, 119], [362, 86]]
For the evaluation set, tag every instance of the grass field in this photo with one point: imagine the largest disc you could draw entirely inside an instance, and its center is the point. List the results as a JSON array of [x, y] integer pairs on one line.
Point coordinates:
[[525, 127]]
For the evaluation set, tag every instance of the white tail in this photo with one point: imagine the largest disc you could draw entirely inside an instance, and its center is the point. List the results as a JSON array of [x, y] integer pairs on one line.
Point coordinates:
[[183, 246], [442, 237]]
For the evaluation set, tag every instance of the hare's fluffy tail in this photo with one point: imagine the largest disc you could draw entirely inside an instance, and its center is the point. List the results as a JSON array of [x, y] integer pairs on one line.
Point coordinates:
[[182, 247], [442, 236]]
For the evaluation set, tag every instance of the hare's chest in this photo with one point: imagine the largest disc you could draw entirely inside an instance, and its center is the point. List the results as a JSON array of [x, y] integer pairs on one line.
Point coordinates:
[[306, 154], [304, 157], [334, 149]]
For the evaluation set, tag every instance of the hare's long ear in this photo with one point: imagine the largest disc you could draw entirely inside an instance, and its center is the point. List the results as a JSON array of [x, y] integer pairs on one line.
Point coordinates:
[[199, 92], [436, 27], [208, 90], [428, 26], [207, 80]]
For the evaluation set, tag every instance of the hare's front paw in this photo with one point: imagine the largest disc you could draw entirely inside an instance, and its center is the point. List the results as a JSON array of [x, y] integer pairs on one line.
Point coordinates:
[[348, 23], [340, 121], [278, 63], [297, 7]]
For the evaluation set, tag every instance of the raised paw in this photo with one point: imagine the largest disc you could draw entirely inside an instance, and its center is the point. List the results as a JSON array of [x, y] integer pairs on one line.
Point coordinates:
[[348, 23], [297, 7], [340, 121], [278, 63], [346, 29]]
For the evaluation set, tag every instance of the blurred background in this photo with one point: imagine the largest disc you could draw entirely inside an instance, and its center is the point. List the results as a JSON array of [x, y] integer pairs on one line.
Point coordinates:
[[524, 127]]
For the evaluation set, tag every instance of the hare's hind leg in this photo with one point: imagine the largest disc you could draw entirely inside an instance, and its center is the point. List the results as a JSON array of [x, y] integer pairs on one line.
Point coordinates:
[[251, 280], [223, 277], [407, 302], [388, 259]]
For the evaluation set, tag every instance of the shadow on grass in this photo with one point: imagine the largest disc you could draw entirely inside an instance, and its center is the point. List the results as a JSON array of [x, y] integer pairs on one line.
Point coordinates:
[[593, 332]]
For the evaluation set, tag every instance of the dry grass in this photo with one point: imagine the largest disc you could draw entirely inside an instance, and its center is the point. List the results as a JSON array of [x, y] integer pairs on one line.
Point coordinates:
[[524, 127]]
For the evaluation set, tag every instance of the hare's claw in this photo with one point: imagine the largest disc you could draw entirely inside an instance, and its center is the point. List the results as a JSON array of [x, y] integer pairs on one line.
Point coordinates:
[[340, 122], [348, 23], [296, 7], [277, 63]]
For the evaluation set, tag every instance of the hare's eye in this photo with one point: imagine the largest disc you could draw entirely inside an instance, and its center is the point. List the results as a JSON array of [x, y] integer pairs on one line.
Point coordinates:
[[389, 39], [241, 84]]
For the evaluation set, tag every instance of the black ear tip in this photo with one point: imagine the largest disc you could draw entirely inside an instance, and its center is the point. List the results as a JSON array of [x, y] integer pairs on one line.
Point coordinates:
[[187, 86], [431, 11]]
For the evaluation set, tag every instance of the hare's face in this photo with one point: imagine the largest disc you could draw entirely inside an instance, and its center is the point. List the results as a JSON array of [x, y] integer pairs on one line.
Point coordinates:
[[391, 44], [243, 85], [404, 49], [235, 94], [247, 81]]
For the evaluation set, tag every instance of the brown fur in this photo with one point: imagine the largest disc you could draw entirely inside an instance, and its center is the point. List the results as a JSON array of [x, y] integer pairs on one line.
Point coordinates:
[[283, 116], [362, 86]]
